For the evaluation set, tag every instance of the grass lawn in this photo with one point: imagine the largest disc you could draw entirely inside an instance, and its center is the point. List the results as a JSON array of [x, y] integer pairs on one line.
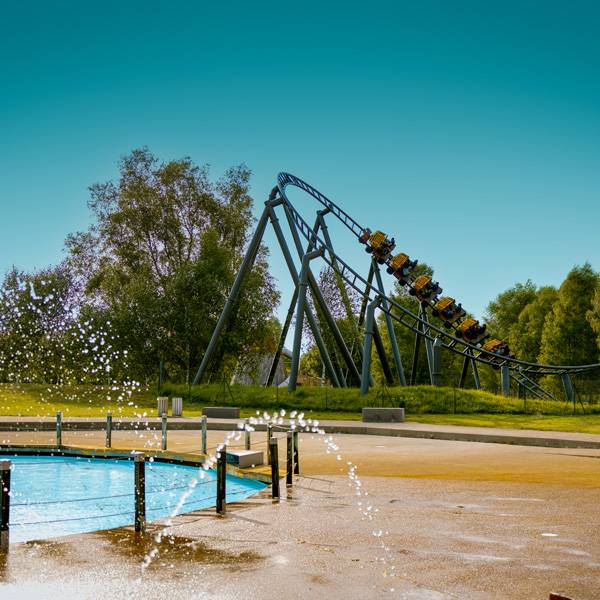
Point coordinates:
[[573, 423], [424, 404]]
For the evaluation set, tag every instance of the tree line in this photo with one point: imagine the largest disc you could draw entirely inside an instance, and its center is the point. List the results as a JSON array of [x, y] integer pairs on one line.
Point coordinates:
[[544, 324], [144, 284]]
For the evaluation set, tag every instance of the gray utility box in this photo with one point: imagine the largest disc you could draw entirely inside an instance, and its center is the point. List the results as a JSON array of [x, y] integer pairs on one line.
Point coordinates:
[[177, 407], [162, 405], [383, 415], [221, 412], [245, 458]]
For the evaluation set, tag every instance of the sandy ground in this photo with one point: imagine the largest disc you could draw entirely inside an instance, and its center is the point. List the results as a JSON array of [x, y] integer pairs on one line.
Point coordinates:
[[457, 520]]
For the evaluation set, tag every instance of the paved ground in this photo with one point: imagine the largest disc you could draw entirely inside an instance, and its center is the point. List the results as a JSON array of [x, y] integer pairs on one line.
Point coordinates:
[[458, 520]]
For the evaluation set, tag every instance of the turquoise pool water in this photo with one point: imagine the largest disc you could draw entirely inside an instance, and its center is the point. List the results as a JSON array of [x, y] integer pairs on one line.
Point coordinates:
[[53, 496]]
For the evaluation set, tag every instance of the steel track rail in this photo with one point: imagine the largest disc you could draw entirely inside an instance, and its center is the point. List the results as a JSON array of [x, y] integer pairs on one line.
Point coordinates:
[[406, 318]]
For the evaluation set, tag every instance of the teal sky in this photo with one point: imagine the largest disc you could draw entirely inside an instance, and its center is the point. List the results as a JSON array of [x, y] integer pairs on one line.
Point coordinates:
[[470, 131]]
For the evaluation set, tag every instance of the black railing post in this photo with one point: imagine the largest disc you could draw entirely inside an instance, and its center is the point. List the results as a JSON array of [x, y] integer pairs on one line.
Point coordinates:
[[248, 441], [58, 429], [140, 491], [296, 455], [4, 504], [269, 435], [164, 432], [274, 460], [221, 480], [203, 427], [109, 430], [290, 459]]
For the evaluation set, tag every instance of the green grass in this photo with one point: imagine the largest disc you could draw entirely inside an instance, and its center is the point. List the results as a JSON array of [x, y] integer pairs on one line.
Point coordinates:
[[571, 423], [424, 404]]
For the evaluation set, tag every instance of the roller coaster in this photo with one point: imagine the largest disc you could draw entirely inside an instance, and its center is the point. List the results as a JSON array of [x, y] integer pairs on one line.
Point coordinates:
[[458, 333]]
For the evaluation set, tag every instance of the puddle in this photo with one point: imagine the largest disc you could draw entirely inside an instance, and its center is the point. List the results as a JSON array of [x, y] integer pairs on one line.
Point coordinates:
[[171, 549]]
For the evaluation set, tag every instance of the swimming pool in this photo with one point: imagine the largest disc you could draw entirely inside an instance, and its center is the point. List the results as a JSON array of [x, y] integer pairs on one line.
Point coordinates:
[[58, 495]]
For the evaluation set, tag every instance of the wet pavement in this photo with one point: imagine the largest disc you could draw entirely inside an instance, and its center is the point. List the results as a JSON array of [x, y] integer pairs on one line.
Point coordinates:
[[457, 520]]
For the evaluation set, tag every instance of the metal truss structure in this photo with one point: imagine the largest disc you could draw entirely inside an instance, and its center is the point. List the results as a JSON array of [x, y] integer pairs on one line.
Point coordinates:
[[340, 363]]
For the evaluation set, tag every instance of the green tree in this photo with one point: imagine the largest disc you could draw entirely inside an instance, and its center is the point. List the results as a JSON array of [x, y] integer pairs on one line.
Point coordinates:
[[594, 315], [525, 336], [45, 336], [161, 257], [502, 314], [567, 336]]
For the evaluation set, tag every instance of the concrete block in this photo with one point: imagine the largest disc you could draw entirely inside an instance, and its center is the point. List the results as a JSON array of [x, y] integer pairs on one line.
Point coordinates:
[[383, 415], [245, 458], [221, 412]]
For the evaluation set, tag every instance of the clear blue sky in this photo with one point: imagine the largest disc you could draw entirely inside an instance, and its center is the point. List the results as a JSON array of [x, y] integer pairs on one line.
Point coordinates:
[[470, 131]]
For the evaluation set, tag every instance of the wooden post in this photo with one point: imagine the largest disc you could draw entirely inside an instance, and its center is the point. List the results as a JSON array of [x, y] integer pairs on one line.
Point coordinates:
[[296, 455], [203, 426], [290, 459], [164, 432], [58, 429], [274, 460], [108, 430], [221, 479], [248, 441], [4, 504], [140, 491]]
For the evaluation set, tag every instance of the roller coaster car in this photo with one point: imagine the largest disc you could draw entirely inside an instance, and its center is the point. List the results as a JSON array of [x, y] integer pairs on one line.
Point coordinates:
[[379, 245], [363, 238], [401, 266], [425, 289], [497, 347], [447, 310], [471, 331]]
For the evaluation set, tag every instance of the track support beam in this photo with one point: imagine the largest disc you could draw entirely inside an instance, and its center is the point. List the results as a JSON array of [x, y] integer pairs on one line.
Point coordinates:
[[366, 361], [568, 386], [389, 325], [300, 309], [505, 380], [245, 268], [436, 370], [320, 301], [310, 317]]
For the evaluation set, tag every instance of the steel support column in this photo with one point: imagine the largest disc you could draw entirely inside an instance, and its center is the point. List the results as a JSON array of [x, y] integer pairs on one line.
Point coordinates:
[[389, 325], [385, 365], [436, 371], [428, 343], [281, 343], [300, 308], [310, 317], [246, 266], [365, 298], [505, 380], [366, 361], [568, 386], [320, 301], [475, 374], [415, 361]]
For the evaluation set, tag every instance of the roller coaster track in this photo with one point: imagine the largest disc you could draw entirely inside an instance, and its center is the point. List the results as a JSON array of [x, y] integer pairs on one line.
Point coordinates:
[[319, 245]]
